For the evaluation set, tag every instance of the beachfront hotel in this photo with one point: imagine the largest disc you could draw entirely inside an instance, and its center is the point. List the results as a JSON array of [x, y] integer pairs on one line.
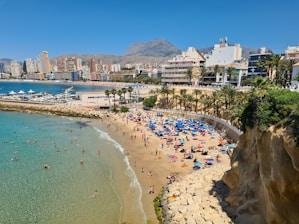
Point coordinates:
[[174, 71]]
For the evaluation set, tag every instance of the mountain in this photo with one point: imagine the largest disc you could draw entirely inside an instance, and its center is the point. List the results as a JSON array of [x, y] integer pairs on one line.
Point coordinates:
[[154, 48], [116, 59], [155, 51]]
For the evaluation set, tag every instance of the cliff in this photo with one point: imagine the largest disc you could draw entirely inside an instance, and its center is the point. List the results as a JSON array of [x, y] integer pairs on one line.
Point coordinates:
[[264, 177]]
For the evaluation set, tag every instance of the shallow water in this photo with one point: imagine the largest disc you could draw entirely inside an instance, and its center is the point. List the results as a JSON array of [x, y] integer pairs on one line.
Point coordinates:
[[64, 193]]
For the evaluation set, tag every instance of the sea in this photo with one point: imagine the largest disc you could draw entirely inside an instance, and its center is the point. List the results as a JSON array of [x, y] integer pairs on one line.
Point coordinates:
[[88, 179]]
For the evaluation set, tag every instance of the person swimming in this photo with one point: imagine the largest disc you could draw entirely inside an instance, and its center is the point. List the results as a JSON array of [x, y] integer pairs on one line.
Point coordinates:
[[95, 193]]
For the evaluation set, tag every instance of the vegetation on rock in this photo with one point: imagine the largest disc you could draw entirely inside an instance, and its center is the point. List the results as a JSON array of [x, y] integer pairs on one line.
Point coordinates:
[[272, 107]]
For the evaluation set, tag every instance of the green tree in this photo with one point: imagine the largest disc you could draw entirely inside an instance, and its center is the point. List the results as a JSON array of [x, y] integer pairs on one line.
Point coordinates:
[[196, 92], [150, 102], [130, 90], [229, 93], [119, 93], [189, 75], [107, 93], [124, 91], [113, 92]]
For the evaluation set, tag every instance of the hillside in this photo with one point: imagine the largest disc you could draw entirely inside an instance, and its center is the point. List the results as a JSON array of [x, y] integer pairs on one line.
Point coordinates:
[[155, 48]]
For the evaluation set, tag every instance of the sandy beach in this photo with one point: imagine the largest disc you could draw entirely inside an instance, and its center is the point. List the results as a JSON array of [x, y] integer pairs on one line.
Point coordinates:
[[154, 161]]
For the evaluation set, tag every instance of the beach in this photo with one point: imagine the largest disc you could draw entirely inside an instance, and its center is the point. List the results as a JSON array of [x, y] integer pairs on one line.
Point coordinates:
[[155, 163]]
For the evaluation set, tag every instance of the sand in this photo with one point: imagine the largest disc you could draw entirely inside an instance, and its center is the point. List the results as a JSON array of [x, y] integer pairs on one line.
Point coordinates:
[[152, 164]]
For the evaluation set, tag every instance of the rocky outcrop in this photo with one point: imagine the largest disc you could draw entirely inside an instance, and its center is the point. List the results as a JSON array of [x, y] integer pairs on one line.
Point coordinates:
[[198, 198], [264, 178]]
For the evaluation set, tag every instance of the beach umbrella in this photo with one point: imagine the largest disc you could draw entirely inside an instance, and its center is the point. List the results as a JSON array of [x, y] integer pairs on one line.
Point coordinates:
[[173, 157], [233, 146], [21, 92], [12, 92], [30, 91], [197, 164], [194, 132]]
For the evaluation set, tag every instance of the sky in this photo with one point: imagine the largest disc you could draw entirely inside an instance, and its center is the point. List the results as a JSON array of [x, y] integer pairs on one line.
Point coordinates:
[[59, 27]]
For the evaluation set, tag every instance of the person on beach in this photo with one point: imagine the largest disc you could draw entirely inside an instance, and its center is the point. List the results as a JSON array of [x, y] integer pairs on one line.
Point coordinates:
[[150, 173]]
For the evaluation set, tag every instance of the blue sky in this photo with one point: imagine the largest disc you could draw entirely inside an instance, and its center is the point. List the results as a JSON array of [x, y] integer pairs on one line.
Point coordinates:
[[109, 27]]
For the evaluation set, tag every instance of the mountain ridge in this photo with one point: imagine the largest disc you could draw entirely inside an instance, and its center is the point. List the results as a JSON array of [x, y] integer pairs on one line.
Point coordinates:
[[156, 51]]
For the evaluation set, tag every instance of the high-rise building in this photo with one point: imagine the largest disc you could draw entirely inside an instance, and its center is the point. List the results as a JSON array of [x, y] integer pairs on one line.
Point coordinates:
[[29, 66], [2, 67], [43, 63], [15, 69], [92, 66], [61, 64], [70, 64]]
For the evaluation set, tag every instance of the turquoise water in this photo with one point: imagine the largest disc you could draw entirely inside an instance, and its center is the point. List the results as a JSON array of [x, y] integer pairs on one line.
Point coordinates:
[[52, 88], [29, 193]]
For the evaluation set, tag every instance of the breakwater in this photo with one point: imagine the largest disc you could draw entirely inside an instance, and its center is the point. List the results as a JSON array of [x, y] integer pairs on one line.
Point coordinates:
[[54, 109]]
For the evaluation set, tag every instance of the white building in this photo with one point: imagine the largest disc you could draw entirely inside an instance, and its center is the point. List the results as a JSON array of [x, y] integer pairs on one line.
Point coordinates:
[[223, 54], [15, 69], [31, 65], [175, 70], [292, 52]]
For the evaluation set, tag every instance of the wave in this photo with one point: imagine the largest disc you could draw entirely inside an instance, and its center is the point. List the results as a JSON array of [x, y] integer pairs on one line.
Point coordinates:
[[134, 183]]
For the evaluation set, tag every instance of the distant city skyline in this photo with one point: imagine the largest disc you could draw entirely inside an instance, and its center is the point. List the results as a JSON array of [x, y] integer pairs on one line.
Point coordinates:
[[110, 27]]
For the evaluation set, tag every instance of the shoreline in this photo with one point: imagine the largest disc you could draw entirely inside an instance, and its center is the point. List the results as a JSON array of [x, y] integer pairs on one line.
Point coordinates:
[[150, 162]]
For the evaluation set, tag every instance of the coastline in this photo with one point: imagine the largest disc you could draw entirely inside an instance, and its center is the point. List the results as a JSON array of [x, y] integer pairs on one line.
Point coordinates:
[[150, 162]]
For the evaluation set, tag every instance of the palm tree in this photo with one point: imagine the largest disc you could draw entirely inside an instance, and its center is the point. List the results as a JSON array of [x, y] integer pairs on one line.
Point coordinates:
[[229, 72], [203, 72], [215, 98], [262, 65], [261, 87], [176, 98], [130, 90], [287, 71], [197, 92], [165, 91], [189, 75], [107, 93], [229, 92], [119, 93], [172, 91], [276, 61], [124, 91], [113, 92], [183, 91]]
